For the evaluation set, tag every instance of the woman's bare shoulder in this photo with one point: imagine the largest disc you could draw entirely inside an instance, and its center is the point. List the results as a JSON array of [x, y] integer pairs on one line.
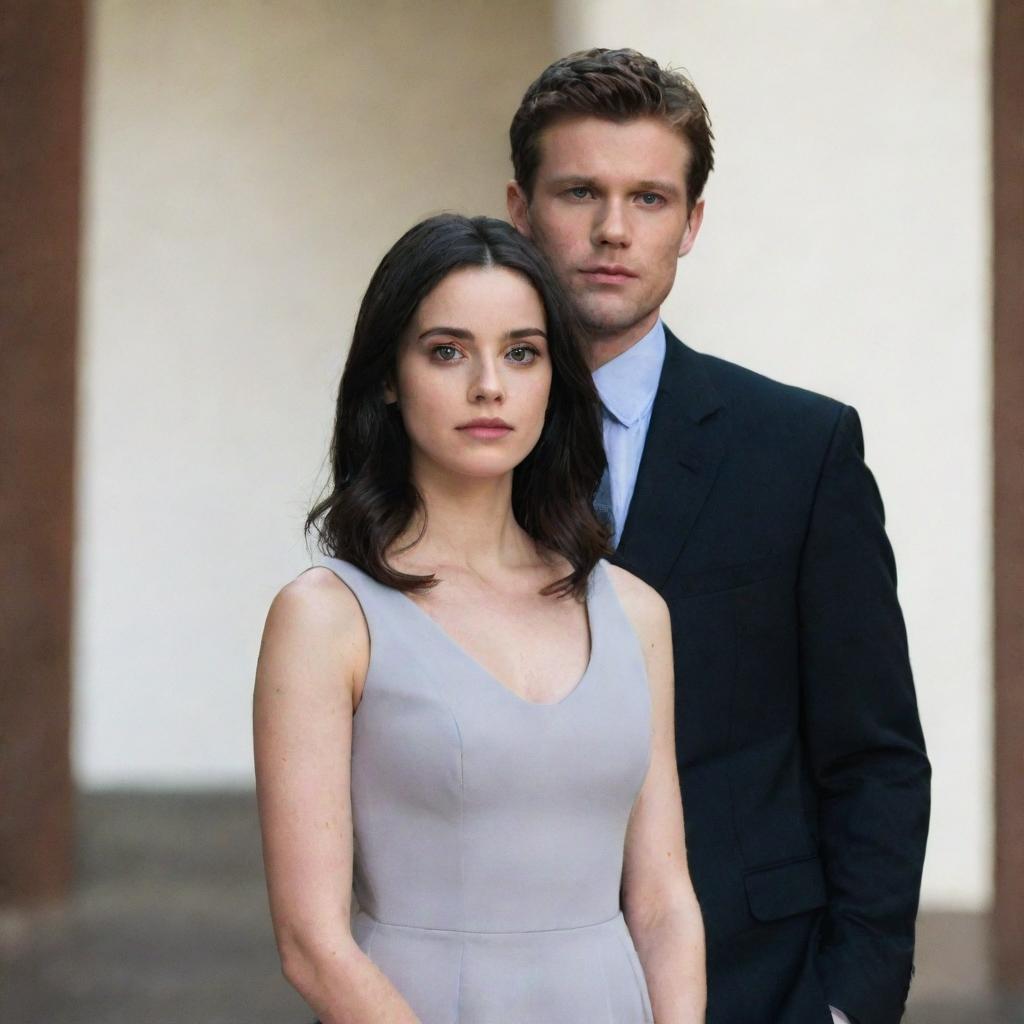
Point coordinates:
[[315, 598], [643, 605], [318, 615]]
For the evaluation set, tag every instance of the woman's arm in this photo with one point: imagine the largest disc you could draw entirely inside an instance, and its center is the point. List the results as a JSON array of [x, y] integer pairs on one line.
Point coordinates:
[[659, 903], [312, 662]]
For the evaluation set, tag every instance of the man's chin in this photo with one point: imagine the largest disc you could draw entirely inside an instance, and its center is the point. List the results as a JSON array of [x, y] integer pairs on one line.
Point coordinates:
[[607, 323]]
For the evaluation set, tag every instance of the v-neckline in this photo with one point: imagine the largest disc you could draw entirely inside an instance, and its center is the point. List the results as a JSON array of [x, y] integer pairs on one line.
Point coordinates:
[[483, 670]]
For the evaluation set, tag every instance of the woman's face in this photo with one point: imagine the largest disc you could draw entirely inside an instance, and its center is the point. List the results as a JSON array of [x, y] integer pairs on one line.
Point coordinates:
[[474, 374]]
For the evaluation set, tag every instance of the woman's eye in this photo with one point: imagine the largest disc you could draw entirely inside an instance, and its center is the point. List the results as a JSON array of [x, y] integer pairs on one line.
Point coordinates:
[[522, 354], [446, 353]]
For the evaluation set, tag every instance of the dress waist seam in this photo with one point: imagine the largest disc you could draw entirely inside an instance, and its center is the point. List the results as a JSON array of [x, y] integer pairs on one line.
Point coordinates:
[[508, 932]]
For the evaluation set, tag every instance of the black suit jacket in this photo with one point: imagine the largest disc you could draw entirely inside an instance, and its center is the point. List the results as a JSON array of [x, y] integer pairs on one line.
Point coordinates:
[[804, 775]]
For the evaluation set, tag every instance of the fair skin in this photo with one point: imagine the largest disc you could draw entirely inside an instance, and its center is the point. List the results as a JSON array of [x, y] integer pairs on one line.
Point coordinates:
[[474, 349], [608, 208]]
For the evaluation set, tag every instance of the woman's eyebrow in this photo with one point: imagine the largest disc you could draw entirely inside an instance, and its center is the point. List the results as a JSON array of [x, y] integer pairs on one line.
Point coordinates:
[[462, 333], [450, 332]]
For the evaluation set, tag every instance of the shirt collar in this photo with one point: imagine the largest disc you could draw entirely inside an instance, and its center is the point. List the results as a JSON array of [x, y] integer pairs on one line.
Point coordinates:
[[628, 383]]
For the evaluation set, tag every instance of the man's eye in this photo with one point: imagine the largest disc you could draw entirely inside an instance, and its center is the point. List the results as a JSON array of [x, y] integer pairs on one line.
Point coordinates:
[[446, 353], [579, 192], [649, 198], [522, 354]]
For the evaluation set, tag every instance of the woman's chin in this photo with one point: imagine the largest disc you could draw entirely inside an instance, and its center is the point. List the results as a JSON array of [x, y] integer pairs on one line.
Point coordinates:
[[476, 471]]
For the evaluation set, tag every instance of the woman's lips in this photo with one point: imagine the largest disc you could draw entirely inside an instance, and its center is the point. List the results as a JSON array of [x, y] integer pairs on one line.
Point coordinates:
[[486, 429], [486, 432]]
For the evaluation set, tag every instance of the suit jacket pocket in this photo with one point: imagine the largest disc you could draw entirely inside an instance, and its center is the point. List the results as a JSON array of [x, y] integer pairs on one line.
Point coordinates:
[[786, 889], [727, 577]]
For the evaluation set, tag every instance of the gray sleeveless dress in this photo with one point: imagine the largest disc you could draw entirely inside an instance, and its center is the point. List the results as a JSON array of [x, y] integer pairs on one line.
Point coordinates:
[[489, 830]]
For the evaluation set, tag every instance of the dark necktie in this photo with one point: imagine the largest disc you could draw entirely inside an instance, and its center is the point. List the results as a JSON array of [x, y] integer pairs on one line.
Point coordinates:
[[603, 501]]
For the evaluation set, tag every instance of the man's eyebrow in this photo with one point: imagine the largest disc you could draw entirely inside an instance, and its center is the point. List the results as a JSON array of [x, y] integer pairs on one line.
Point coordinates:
[[573, 179], [659, 186], [647, 185]]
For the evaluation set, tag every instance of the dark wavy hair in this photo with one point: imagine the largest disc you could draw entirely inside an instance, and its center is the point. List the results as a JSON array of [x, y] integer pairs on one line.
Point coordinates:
[[618, 85], [372, 498]]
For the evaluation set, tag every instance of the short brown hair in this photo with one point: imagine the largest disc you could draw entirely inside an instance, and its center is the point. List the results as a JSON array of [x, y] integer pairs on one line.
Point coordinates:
[[619, 85]]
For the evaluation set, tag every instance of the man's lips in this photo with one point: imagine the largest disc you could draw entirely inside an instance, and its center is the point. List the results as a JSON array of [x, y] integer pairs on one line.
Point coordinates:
[[608, 273], [486, 428]]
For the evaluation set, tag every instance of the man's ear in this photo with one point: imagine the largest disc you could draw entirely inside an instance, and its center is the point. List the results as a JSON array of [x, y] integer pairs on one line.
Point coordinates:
[[693, 223], [518, 208]]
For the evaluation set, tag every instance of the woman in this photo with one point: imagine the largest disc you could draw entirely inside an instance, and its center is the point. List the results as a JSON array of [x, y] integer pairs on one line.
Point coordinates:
[[465, 709]]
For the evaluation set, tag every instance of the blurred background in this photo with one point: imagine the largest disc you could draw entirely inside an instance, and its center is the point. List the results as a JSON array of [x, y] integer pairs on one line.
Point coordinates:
[[194, 196]]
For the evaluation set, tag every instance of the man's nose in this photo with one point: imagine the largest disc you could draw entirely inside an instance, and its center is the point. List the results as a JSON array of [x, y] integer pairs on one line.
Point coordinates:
[[612, 226]]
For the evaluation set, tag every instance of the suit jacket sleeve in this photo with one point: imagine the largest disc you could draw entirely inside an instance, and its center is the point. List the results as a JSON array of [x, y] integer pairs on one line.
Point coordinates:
[[863, 735]]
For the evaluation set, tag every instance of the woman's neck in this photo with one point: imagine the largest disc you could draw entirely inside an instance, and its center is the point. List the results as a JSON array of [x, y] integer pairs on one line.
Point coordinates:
[[469, 523]]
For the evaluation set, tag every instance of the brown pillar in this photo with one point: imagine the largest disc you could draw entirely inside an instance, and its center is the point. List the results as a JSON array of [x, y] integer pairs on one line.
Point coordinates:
[[41, 58], [1008, 326]]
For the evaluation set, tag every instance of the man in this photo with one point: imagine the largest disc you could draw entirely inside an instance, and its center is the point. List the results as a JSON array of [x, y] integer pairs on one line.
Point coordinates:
[[748, 505]]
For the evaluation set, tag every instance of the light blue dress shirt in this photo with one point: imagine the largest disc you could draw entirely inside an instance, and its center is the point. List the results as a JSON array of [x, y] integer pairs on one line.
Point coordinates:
[[627, 385]]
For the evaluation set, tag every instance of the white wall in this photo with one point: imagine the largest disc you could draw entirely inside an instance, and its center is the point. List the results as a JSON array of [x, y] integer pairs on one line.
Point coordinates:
[[247, 166], [845, 249]]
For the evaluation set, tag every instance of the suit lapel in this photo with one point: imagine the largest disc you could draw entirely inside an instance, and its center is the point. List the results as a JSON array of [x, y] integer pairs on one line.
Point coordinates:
[[684, 447]]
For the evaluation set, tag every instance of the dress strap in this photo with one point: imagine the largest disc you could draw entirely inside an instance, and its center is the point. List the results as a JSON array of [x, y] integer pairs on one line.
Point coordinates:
[[608, 615], [376, 599]]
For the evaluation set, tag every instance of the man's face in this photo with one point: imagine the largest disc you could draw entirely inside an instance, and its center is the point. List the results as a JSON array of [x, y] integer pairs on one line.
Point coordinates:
[[609, 211]]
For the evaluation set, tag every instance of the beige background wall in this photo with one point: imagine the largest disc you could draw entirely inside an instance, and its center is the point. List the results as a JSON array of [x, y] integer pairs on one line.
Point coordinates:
[[845, 249], [247, 165]]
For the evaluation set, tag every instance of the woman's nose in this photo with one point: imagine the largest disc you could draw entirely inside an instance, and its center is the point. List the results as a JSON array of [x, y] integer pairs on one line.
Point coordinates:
[[487, 385]]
